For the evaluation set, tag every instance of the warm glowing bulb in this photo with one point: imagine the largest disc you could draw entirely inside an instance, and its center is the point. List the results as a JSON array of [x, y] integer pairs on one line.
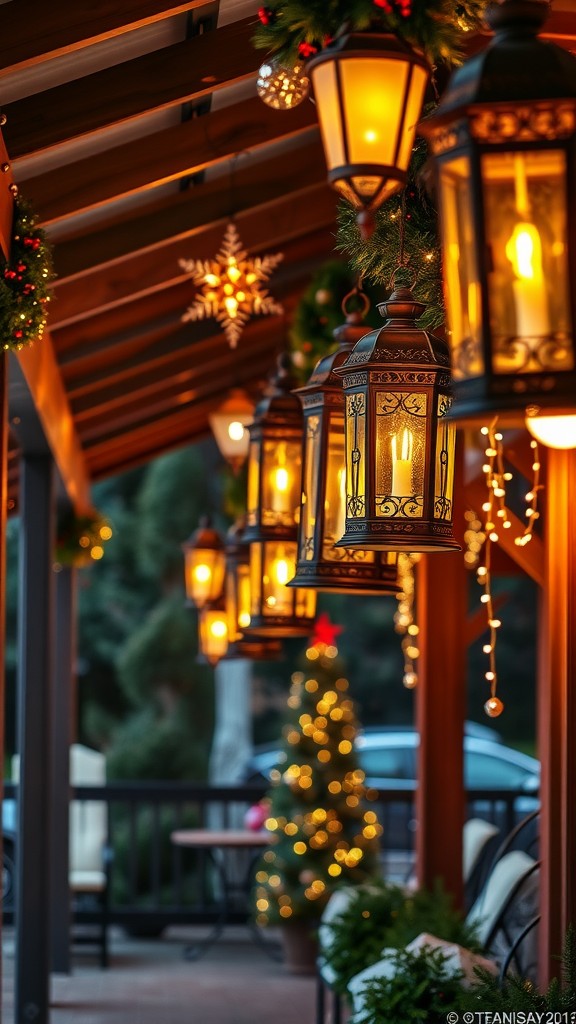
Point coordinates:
[[231, 306], [235, 430], [212, 280], [202, 573], [105, 532], [553, 431], [370, 135], [233, 273], [218, 628], [97, 552], [524, 250], [281, 571], [281, 479], [244, 620]]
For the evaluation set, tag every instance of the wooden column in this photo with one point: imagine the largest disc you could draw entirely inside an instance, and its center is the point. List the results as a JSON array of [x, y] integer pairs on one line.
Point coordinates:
[[35, 630], [557, 712], [63, 728], [442, 603], [3, 507]]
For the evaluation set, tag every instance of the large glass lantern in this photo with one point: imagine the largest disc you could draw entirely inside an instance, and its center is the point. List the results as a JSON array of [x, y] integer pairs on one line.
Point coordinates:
[[230, 425], [369, 89], [212, 632], [321, 564], [239, 604], [204, 564], [503, 142], [274, 489], [399, 440]]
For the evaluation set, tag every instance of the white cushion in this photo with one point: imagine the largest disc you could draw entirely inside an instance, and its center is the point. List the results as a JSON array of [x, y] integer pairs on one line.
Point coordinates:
[[477, 833], [87, 881], [507, 872]]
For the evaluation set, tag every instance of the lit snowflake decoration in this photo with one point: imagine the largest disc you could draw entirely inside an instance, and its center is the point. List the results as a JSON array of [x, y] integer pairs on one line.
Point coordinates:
[[231, 286]]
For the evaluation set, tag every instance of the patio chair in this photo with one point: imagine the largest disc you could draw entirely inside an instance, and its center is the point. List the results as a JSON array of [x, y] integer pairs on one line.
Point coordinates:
[[89, 858]]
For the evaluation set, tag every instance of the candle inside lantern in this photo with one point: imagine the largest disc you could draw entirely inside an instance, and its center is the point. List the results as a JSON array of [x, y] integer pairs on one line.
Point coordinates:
[[402, 464], [280, 483], [524, 250], [340, 523]]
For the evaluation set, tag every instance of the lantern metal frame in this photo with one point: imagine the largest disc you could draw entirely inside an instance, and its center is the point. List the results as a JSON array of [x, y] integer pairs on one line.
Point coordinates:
[[321, 563], [337, 133], [204, 539], [515, 99], [271, 518], [238, 604], [397, 377]]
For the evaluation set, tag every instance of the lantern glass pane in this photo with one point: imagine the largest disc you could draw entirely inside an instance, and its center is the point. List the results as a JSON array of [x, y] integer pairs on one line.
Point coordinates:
[[253, 484], [243, 577], [305, 604], [525, 214], [373, 91], [279, 567], [203, 574], [445, 455], [400, 453], [335, 493], [310, 487], [255, 578], [329, 114], [238, 601], [416, 92], [356, 455], [281, 483], [213, 634], [462, 283]]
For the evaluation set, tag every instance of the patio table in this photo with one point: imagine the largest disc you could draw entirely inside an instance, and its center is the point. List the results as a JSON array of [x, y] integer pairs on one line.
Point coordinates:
[[216, 842]]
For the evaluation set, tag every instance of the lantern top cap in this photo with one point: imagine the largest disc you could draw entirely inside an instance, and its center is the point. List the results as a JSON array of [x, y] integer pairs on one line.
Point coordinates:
[[278, 400], [517, 66], [399, 340], [205, 537], [346, 335], [372, 43]]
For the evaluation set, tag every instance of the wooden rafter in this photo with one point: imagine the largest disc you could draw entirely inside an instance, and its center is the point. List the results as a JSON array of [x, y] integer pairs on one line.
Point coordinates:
[[182, 73], [32, 32], [271, 226], [6, 200]]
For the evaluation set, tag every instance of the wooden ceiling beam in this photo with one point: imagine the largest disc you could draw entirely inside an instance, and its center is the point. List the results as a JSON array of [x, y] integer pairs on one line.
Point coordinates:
[[32, 32], [261, 229], [183, 73], [183, 150], [188, 212], [6, 201]]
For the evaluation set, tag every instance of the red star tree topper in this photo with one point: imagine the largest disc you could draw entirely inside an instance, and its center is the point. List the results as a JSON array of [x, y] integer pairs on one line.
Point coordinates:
[[325, 632]]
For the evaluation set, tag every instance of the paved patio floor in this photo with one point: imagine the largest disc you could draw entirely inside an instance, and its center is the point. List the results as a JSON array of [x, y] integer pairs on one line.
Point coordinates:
[[149, 982]]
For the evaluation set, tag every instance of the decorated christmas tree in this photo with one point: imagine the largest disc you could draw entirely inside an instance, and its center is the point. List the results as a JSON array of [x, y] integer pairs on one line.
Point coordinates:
[[324, 832]]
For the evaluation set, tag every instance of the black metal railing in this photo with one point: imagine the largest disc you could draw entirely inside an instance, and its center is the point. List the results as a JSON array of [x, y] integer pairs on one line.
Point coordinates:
[[153, 882]]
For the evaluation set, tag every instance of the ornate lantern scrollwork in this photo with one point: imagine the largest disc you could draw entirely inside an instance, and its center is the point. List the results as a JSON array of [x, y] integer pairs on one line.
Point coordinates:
[[399, 440], [321, 564], [503, 140]]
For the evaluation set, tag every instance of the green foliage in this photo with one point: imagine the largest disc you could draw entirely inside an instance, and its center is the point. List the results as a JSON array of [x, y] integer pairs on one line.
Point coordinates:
[[377, 259], [158, 659], [25, 281], [324, 834], [150, 745], [434, 26], [422, 990], [383, 915]]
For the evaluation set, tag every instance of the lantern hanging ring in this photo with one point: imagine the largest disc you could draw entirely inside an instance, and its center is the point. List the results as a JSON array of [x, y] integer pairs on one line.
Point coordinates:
[[406, 269], [356, 293]]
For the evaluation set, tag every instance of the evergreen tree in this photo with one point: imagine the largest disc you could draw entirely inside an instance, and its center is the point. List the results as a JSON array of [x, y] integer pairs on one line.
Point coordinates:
[[324, 833]]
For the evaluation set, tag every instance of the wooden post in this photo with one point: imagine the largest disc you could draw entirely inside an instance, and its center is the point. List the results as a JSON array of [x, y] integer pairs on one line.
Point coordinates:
[[3, 507], [557, 712], [442, 603], [35, 630], [63, 720]]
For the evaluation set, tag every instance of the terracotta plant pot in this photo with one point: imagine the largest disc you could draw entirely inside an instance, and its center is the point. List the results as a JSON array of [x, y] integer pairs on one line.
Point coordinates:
[[300, 946]]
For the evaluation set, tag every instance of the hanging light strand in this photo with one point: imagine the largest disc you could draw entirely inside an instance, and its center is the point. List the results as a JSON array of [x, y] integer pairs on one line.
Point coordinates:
[[404, 617], [532, 513]]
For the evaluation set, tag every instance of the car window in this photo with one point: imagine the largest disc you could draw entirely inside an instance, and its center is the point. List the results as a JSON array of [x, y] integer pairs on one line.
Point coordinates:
[[386, 762], [482, 771]]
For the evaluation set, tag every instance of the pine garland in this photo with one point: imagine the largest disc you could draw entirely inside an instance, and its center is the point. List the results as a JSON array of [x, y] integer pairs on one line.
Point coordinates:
[[297, 29], [80, 539], [377, 258], [25, 281]]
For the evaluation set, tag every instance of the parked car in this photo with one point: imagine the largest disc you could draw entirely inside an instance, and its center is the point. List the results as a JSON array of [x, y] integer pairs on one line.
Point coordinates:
[[388, 757]]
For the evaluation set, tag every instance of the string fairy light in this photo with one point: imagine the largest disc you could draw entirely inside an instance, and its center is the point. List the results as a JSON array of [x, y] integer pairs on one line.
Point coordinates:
[[404, 617], [532, 513]]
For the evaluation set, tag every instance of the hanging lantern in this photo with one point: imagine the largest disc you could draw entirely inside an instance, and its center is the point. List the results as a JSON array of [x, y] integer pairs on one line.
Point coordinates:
[[238, 602], [399, 440], [321, 564], [230, 427], [503, 142], [274, 488], [369, 89], [204, 564], [212, 632]]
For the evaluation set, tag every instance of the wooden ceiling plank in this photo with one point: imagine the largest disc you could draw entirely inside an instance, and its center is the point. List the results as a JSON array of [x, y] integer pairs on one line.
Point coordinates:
[[183, 214], [6, 201], [261, 229], [183, 73], [32, 31], [182, 150]]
